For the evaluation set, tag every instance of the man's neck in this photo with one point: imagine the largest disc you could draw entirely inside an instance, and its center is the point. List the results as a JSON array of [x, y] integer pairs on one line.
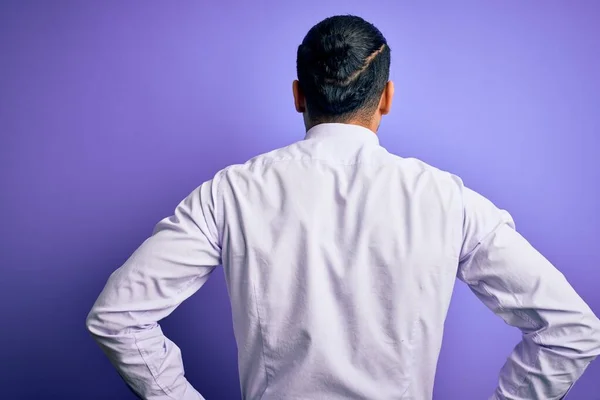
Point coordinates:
[[373, 127]]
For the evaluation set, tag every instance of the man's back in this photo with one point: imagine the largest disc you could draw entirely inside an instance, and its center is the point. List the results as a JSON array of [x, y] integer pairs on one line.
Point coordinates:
[[340, 260]]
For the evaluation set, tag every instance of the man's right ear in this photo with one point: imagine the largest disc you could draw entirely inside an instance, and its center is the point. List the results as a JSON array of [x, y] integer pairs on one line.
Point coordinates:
[[299, 99]]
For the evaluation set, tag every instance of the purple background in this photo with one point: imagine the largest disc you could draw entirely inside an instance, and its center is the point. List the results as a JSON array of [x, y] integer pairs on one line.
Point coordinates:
[[111, 112]]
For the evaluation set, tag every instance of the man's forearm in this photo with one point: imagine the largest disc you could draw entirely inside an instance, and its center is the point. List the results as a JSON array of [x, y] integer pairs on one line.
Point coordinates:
[[148, 362], [543, 366]]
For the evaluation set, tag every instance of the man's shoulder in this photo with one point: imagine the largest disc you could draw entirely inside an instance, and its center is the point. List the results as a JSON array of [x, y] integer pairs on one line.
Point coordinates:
[[416, 166], [257, 163]]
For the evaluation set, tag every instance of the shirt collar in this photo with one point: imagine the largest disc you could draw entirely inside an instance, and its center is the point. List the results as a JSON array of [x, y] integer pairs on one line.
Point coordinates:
[[342, 132]]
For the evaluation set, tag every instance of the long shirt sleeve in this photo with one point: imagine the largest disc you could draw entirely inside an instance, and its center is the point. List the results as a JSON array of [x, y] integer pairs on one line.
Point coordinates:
[[165, 270], [561, 335]]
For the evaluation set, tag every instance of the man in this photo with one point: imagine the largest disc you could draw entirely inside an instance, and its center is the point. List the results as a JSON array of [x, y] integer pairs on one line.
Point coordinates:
[[340, 259]]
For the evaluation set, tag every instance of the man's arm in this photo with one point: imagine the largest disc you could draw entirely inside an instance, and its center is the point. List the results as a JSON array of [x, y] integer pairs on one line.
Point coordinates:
[[165, 270], [561, 334]]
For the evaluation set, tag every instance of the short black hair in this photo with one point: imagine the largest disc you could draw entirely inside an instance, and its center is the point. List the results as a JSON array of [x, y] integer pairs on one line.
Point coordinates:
[[343, 66]]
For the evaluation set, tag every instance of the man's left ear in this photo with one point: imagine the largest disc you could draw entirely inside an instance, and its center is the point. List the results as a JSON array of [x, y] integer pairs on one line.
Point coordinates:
[[299, 99]]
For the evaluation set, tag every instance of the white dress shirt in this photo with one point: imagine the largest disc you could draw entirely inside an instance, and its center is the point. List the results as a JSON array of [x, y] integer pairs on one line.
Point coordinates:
[[340, 260]]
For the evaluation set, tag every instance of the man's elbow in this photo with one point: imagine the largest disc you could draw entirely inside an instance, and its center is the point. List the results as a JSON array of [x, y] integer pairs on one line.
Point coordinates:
[[93, 323], [595, 333], [577, 337], [586, 337], [105, 323]]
